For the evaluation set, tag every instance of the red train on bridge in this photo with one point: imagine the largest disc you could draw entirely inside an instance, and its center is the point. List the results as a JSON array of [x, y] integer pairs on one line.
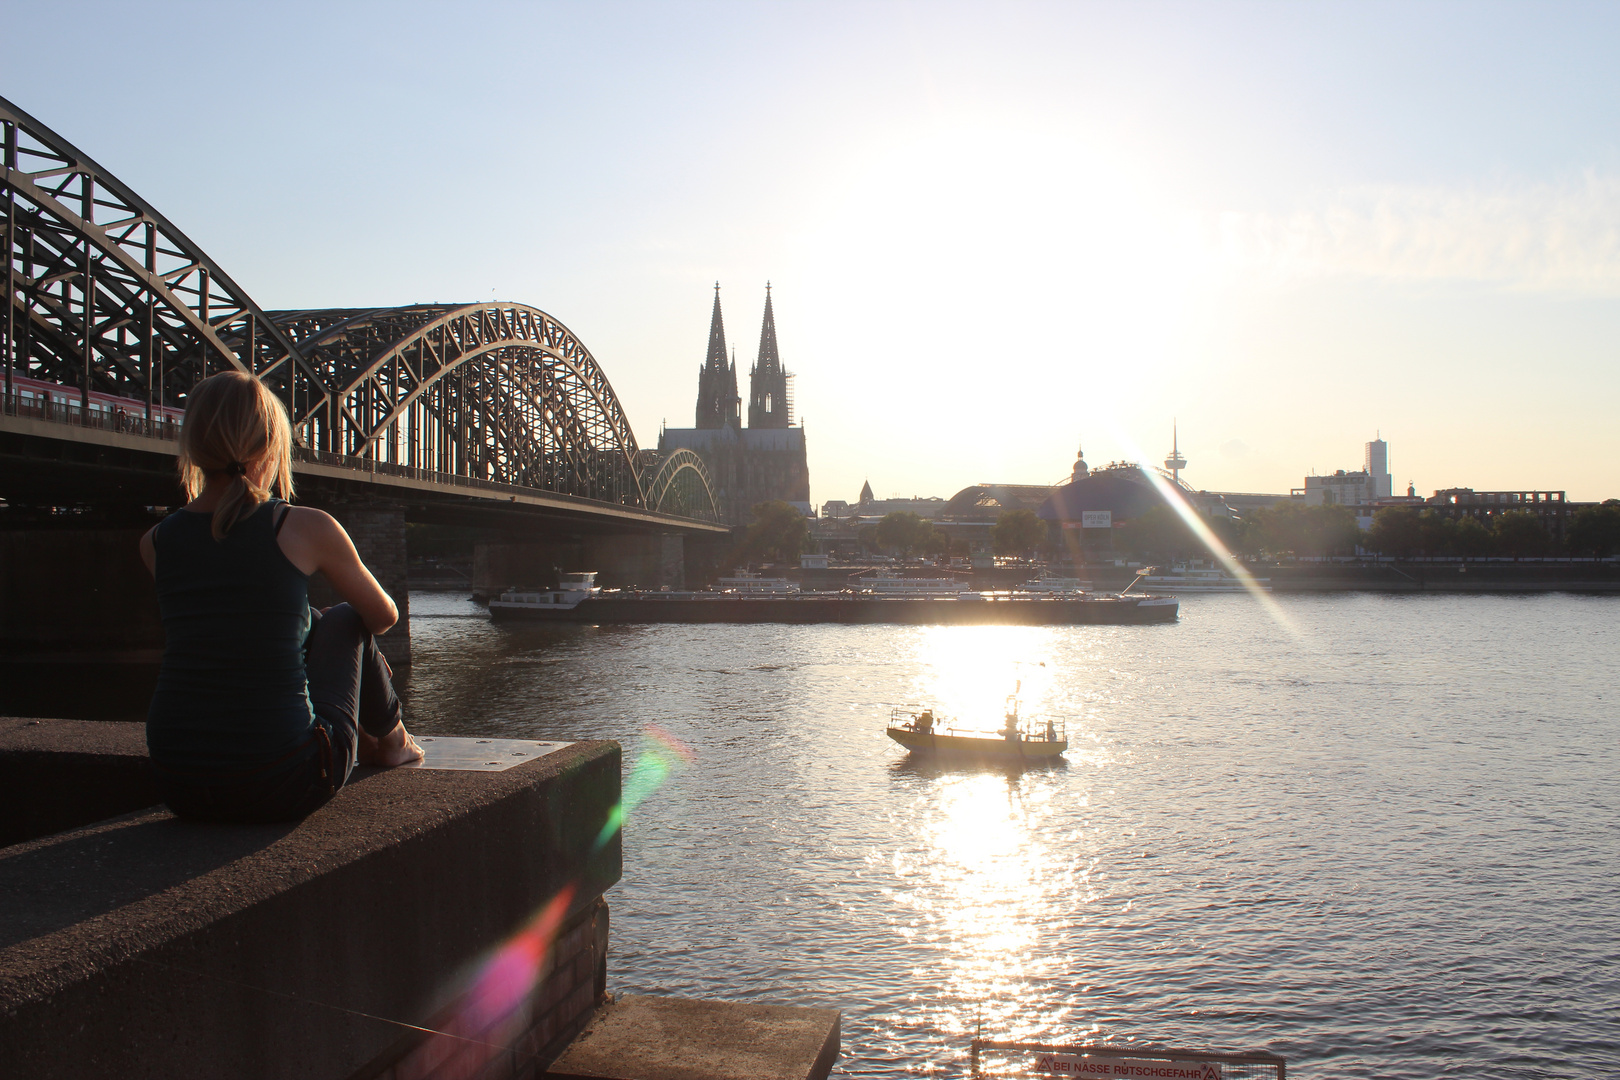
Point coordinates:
[[46, 400]]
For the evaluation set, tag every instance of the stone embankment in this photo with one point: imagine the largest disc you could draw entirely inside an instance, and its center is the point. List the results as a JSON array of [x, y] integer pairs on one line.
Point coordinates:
[[1474, 576], [428, 922]]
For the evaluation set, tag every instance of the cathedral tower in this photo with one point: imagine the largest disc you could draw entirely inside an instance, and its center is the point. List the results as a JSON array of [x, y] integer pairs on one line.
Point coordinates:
[[768, 404], [718, 404]]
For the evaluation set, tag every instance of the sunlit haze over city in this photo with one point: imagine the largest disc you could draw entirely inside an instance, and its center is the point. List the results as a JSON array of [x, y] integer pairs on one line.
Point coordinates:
[[993, 232]]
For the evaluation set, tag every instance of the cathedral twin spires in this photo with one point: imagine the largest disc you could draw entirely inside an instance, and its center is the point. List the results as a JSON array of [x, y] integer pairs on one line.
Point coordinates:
[[767, 382], [719, 404]]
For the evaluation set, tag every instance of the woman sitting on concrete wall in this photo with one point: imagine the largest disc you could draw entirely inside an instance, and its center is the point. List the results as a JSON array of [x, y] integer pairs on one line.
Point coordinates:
[[262, 705]]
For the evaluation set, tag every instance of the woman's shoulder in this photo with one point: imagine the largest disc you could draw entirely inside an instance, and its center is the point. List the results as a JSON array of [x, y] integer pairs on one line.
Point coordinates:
[[303, 518], [307, 527]]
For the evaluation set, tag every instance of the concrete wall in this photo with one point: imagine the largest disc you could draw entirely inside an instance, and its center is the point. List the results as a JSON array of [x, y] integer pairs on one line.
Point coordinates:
[[470, 1042], [149, 946], [80, 630], [57, 775]]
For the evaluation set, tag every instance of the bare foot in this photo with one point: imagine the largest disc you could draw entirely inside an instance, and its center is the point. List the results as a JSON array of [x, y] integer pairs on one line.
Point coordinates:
[[395, 748]]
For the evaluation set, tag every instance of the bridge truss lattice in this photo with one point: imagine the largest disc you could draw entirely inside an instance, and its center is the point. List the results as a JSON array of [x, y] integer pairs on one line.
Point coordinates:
[[107, 296]]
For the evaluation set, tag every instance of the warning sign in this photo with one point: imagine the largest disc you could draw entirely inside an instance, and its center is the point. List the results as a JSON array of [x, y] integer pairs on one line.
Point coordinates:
[[1088, 1065]]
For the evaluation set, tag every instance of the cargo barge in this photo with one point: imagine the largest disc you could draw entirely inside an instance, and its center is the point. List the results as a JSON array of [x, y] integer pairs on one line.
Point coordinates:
[[578, 600]]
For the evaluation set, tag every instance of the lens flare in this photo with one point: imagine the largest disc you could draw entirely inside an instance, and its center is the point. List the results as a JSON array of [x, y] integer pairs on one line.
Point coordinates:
[[491, 1012], [662, 755], [515, 969], [1200, 529]]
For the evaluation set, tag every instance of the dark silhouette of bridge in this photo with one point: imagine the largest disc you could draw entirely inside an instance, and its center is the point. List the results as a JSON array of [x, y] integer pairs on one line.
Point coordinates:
[[488, 414]]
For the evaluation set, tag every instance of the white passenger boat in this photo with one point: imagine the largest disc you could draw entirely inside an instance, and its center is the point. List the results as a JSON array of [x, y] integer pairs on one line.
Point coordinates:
[[748, 583], [1198, 578], [1052, 585], [571, 590], [888, 584]]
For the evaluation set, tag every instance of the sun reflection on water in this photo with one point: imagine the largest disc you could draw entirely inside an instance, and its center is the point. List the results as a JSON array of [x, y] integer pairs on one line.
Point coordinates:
[[966, 672], [984, 887], [994, 877]]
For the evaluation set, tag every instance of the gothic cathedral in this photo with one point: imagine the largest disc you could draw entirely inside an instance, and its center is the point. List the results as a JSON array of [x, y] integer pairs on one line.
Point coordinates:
[[759, 463]]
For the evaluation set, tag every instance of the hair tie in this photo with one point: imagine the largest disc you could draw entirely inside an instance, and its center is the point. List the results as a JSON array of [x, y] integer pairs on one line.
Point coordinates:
[[236, 468]]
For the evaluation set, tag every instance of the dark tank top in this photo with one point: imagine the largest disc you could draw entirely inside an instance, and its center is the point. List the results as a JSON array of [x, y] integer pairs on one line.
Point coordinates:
[[232, 694]]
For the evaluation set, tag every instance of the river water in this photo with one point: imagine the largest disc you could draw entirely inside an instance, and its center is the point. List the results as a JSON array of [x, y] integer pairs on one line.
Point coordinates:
[[1376, 835]]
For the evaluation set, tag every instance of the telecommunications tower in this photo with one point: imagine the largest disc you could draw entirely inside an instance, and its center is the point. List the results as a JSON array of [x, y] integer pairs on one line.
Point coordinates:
[[1175, 462]]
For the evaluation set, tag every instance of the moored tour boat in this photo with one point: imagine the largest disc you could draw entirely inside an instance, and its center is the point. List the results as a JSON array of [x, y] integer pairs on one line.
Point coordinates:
[[570, 591], [1197, 578]]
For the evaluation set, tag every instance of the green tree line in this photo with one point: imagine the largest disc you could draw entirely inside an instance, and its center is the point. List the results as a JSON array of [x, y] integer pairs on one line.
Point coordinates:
[[1289, 529], [779, 533]]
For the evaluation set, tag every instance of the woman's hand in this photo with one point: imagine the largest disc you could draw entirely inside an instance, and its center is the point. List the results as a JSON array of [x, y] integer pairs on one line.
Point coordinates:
[[313, 540]]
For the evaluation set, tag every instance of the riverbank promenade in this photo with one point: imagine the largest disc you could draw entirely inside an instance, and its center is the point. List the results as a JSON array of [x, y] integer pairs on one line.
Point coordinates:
[[439, 921]]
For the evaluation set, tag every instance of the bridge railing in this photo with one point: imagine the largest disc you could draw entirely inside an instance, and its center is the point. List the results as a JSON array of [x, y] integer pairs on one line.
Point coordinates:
[[412, 472], [98, 416], [73, 414]]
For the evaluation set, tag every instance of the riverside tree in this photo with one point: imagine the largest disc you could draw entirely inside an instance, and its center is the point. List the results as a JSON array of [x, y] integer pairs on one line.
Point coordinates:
[[778, 533], [1595, 530], [903, 532], [1519, 533], [1018, 532], [1396, 531], [1288, 528], [1158, 532]]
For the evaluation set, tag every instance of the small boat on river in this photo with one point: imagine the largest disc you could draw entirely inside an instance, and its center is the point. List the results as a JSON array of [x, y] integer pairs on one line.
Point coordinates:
[[921, 731]]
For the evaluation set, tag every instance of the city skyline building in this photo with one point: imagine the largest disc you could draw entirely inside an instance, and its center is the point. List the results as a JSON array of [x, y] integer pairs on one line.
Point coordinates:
[[1377, 467], [1359, 489]]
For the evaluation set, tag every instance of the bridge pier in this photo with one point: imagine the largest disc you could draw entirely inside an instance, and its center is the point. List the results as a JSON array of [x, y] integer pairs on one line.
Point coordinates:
[[624, 560], [638, 559], [80, 632]]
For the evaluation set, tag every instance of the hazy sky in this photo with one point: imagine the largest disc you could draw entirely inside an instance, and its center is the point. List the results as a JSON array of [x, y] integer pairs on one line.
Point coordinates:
[[994, 230]]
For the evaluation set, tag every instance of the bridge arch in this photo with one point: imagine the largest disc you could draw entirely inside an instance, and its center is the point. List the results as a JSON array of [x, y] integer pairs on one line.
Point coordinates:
[[499, 392], [109, 296], [681, 485]]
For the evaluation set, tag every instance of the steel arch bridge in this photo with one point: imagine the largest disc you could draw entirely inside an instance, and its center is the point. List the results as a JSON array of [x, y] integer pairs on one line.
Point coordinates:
[[680, 485], [106, 296]]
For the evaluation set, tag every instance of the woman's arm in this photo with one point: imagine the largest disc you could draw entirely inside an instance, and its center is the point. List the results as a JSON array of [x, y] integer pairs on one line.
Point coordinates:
[[149, 551], [313, 540]]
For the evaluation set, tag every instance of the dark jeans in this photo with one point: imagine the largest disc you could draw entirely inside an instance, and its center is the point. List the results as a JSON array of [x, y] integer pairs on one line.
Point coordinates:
[[349, 688]]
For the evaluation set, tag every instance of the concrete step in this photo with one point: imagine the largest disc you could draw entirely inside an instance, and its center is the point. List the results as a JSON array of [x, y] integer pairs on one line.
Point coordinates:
[[639, 1037]]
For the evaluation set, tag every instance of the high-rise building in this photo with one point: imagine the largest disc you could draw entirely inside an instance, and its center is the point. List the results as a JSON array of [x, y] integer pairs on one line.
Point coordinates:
[[1377, 468], [764, 461], [1361, 491]]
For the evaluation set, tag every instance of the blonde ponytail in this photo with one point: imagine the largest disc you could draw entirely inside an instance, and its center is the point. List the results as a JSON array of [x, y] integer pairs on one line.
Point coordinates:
[[233, 425]]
